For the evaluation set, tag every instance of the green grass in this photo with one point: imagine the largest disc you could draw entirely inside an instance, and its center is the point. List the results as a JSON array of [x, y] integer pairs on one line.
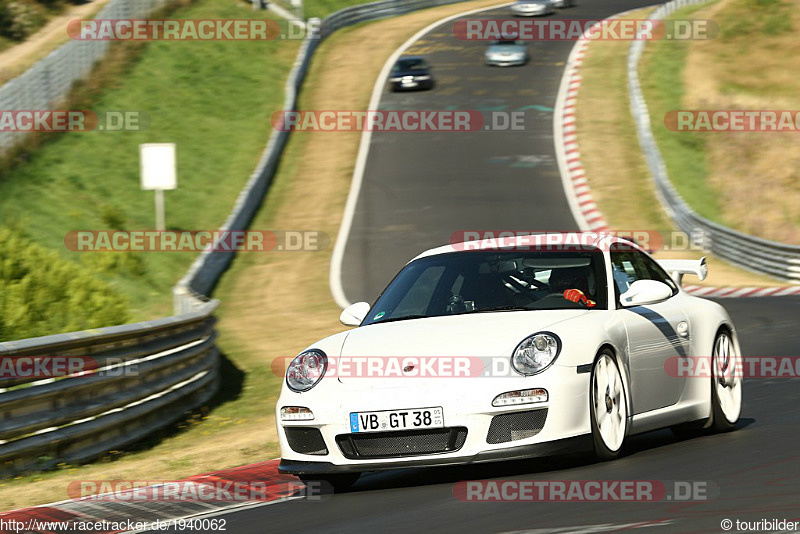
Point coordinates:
[[684, 153], [213, 99]]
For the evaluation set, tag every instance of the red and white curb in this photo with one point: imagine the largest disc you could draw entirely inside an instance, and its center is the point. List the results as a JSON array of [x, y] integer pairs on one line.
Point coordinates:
[[583, 207], [573, 175], [742, 292], [105, 512]]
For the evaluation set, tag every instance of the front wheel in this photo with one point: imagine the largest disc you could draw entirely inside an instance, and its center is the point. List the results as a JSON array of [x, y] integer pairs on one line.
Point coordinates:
[[330, 483], [726, 385], [607, 407]]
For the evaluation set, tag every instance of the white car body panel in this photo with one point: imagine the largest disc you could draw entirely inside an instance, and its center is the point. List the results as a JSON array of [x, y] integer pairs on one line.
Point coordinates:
[[641, 338]]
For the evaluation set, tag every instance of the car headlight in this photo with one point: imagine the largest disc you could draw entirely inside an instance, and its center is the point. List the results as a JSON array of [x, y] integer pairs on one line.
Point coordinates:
[[306, 370], [536, 353], [423, 78]]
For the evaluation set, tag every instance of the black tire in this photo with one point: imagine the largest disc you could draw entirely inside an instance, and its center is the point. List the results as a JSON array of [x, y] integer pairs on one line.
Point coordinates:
[[331, 483], [602, 451], [719, 422], [716, 422]]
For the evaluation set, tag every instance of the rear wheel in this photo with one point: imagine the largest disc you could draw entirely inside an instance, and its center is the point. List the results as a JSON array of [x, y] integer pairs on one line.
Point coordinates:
[[726, 385], [726, 391], [330, 483], [607, 407]]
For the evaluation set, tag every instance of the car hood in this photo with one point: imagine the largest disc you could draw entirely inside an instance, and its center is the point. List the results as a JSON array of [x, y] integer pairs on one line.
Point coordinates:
[[505, 49], [483, 336]]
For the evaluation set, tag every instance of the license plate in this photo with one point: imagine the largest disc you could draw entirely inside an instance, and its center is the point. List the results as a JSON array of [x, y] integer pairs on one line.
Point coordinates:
[[396, 420]]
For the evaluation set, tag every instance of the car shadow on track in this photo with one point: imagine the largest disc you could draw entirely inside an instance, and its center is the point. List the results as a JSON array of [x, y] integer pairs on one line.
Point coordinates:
[[545, 467]]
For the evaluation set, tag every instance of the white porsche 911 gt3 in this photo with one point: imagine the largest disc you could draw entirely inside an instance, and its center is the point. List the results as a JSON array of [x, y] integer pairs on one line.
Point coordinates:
[[489, 350]]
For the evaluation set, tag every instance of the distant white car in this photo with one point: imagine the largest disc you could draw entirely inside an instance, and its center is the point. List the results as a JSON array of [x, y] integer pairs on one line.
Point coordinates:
[[564, 349], [506, 53], [533, 8]]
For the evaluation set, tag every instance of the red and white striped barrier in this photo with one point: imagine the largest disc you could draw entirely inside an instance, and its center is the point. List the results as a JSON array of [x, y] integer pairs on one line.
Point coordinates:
[[742, 292]]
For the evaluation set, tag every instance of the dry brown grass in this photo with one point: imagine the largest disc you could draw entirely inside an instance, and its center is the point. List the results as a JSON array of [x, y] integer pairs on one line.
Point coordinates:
[[617, 172], [615, 167], [755, 174], [273, 304]]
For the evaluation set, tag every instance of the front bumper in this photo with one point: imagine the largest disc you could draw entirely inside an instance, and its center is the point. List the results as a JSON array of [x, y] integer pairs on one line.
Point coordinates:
[[466, 404], [562, 446], [498, 62], [415, 85], [540, 12]]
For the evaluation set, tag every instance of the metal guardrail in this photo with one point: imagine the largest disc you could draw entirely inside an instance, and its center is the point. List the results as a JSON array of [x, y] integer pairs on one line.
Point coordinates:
[[749, 252], [134, 379], [148, 374]]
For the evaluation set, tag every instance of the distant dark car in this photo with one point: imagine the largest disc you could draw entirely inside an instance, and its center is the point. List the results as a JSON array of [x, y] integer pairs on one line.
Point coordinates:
[[411, 73]]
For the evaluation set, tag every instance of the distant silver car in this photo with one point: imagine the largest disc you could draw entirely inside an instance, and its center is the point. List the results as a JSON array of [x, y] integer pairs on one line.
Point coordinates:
[[534, 8], [506, 53], [563, 3]]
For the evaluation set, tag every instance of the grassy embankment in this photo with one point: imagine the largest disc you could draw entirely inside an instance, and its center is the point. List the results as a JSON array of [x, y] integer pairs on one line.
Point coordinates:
[[615, 167], [273, 304]]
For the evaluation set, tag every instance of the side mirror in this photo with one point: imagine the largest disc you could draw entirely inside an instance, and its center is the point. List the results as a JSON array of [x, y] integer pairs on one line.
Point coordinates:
[[643, 292], [354, 314]]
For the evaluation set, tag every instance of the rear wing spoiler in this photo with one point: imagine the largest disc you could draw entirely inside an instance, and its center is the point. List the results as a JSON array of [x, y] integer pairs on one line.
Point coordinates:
[[678, 268]]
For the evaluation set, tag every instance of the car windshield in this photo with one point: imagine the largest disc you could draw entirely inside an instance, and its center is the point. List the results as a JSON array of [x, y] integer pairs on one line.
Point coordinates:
[[485, 281], [405, 65]]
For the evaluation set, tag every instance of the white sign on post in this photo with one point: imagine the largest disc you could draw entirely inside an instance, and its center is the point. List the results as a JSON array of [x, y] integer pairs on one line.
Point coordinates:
[[158, 173]]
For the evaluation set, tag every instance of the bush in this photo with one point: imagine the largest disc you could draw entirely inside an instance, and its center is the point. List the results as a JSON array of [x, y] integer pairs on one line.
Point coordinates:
[[42, 293], [21, 18]]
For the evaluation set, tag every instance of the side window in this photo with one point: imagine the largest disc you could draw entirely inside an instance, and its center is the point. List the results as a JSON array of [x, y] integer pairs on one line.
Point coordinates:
[[656, 272], [624, 271], [631, 265]]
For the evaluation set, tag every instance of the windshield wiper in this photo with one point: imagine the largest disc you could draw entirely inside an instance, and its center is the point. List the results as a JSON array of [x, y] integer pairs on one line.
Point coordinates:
[[392, 319], [503, 308]]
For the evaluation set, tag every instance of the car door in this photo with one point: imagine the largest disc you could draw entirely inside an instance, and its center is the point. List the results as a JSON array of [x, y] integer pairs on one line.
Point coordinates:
[[656, 333]]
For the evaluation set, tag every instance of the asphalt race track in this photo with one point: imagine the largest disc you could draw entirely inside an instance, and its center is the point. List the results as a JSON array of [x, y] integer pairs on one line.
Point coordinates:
[[753, 472], [419, 188]]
